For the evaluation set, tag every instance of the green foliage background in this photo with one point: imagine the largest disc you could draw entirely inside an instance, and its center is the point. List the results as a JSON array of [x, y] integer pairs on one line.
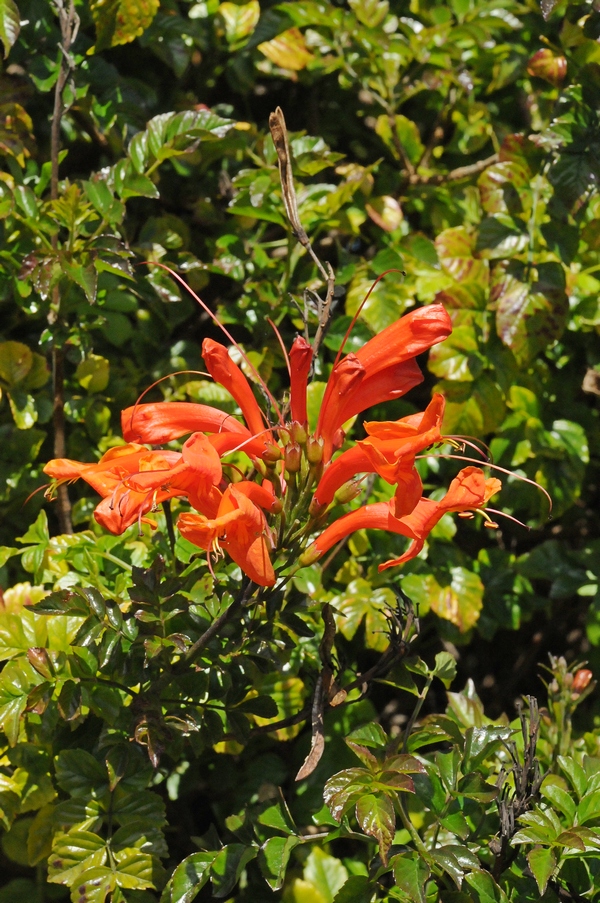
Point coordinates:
[[458, 143]]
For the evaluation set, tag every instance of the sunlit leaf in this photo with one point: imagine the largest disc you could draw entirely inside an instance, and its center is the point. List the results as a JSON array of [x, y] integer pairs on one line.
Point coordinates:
[[288, 50], [121, 21]]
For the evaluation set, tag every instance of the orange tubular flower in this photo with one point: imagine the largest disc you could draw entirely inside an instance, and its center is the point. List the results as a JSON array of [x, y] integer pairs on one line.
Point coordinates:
[[469, 491], [301, 355], [105, 474], [381, 370], [389, 451], [122, 505], [240, 527], [164, 421], [226, 372]]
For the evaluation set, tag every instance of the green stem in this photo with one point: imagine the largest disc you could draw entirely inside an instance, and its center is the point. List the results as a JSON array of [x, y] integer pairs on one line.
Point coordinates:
[[415, 714], [405, 819]]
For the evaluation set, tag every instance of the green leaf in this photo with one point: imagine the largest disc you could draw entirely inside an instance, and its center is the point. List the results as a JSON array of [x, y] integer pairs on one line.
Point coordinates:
[[530, 315], [228, 866], [473, 786], [445, 668], [190, 876], [240, 20], [458, 357], [273, 858], [456, 597], [325, 873], [10, 24], [371, 735], [276, 815], [484, 888], [134, 869], [16, 361], [563, 801], [23, 409], [575, 774], [17, 679], [589, 807], [80, 774], [357, 889], [411, 873], [95, 884], [377, 818], [542, 862], [93, 373], [405, 134], [265, 706], [473, 408], [72, 854], [121, 21], [361, 602]]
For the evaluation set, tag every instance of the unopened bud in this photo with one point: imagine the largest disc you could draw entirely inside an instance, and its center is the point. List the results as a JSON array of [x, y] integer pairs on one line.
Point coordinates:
[[581, 679], [314, 449], [316, 508], [293, 457], [272, 453], [347, 492], [310, 555], [299, 432], [338, 439]]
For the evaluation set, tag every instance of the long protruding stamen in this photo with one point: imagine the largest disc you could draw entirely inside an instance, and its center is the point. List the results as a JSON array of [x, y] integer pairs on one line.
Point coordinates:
[[358, 312], [162, 379], [281, 345], [474, 442], [509, 473], [225, 331]]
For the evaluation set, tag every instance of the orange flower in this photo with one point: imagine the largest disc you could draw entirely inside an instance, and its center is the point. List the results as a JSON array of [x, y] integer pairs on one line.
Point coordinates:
[[381, 370], [240, 527], [227, 373], [121, 505], [469, 491], [301, 355], [164, 421], [389, 451]]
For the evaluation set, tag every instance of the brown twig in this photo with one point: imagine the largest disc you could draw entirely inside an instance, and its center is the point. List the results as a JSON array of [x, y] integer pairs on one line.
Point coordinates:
[[527, 781], [326, 692], [462, 172], [279, 134], [69, 26]]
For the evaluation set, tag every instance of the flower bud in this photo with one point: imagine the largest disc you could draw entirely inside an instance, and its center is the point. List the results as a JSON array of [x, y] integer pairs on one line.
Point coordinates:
[[316, 508], [309, 556], [348, 491], [314, 449], [581, 679], [272, 453], [299, 432], [293, 457]]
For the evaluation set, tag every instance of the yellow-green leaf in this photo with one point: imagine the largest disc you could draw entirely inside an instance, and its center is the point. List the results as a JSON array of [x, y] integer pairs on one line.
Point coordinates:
[[288, 50], [121, 21], [240, 21], [10, 24]]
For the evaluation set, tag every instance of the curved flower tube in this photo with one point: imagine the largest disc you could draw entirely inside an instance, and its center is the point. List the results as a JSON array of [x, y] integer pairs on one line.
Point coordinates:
[[381, 370], [114, 466], [469, 491], [389, 450], [301, 355], [226, 372], [162, 421], [122, 504], [240, 527]]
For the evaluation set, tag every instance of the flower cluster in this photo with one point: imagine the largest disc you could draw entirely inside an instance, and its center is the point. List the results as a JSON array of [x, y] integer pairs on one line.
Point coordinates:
[[297, 476]]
